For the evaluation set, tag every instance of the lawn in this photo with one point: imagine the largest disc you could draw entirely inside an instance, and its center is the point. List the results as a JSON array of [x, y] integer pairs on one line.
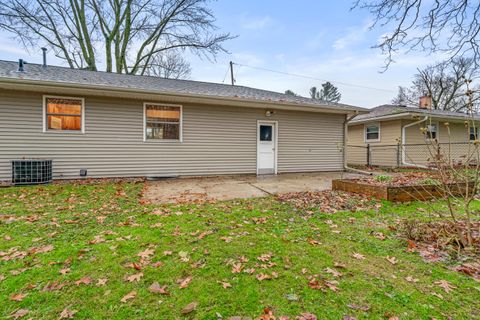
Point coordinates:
[[100, 252]]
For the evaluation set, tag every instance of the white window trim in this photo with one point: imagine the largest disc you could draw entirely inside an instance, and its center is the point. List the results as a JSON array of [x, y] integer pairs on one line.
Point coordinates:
[[365, 132], [437, 124], [44, 115], [180, 140]]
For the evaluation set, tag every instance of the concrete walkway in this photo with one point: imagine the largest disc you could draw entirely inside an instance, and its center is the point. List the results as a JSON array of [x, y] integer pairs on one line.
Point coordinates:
[[234, 187]]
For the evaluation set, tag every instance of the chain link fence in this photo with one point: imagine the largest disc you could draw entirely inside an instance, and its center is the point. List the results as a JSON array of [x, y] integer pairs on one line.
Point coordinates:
[[399, 155]]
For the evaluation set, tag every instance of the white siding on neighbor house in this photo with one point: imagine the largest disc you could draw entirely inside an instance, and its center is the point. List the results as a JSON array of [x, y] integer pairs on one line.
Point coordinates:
[[216, 140]]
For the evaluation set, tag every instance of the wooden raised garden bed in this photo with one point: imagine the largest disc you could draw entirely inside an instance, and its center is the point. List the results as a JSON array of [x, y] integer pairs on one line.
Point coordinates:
[[397, 193]]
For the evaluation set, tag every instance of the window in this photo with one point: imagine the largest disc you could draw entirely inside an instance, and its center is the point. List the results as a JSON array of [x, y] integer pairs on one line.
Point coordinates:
[[431, 132], [372, 132], [63, 114], [163, 122], [265, 133], [474, 134]]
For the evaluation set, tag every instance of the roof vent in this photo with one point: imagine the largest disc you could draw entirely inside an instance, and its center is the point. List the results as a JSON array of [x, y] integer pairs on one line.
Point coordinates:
[[21, 65], [44, 57]]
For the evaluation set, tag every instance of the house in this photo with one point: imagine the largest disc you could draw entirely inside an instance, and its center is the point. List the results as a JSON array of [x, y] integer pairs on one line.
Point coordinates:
[[102, 124], [395, 135]]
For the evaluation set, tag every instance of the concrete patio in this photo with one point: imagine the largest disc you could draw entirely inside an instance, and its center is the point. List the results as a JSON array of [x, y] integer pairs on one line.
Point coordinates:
[[235, 187]]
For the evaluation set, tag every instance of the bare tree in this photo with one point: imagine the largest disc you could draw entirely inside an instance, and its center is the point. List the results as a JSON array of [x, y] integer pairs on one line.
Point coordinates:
[[445, 83], [127, 34], [450, 26], [170, 65]]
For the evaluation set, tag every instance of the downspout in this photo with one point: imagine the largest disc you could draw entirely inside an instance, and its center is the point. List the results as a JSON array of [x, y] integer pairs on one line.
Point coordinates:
[[404, 140], [345, 133]]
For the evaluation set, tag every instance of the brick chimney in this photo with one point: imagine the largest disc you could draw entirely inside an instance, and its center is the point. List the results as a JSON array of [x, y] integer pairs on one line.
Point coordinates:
[[425, 102]]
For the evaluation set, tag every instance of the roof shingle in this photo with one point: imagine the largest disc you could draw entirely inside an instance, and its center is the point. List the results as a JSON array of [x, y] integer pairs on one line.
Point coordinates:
[[35, 72]]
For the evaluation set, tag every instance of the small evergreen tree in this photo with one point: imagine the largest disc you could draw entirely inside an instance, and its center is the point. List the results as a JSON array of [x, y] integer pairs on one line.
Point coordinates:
[[328, 93], [290, 93]]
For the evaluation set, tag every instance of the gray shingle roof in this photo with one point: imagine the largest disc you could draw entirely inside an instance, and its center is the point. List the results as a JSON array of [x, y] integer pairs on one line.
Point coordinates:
[[392, 110], [35, 72]]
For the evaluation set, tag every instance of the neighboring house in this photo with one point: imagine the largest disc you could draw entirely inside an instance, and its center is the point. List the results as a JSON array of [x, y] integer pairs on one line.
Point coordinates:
[[115, 125], [394, 135]]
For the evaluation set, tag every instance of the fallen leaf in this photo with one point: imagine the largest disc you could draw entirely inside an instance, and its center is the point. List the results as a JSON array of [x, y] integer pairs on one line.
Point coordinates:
[[438, 295], [356, 307], [184, 282], [65, 271], [445, 285], [18, 296], [315, 284], [333, 272], [156, 288], [262, 276], [237, 268], [134, 277], [84, 280], [19, 313], [225, 285], [146, 254], [129, 296], [392, 260], [67, 314], [358, 256], [332, 285], [411, 279], [189, 308], [101, 282], [306, 316]]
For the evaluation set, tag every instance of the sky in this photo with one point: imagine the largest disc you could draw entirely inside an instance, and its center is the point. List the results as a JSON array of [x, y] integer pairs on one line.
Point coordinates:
[[320, 39]]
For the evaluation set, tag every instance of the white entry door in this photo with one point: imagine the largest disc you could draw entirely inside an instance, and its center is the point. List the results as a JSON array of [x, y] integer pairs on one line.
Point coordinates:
[[266, 147]]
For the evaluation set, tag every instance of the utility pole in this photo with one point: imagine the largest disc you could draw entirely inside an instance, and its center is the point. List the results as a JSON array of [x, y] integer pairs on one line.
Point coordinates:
[[231, 73]]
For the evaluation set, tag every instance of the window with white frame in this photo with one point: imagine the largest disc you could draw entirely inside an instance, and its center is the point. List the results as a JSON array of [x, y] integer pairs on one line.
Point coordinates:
[[372, 132], [63, 114], [163, 122], [431, 132], [473, 133]]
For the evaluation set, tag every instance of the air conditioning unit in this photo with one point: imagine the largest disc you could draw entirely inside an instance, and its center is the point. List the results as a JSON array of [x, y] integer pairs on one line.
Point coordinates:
[[31, 171]]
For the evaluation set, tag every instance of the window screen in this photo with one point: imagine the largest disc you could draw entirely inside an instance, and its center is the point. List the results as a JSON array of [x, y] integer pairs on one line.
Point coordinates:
[[372, 132], [64, 114], [162, 122]]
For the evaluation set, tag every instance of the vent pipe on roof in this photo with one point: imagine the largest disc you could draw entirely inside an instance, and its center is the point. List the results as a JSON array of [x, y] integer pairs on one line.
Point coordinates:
[[44, 57], [21, 65]]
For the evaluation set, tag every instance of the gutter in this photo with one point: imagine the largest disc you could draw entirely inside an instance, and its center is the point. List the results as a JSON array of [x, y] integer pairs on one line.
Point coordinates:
[[345, 134], [404, 140]]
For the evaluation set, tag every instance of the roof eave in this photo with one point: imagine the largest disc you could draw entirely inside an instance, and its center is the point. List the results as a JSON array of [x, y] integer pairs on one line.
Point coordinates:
[[47, 86], [405, 115]]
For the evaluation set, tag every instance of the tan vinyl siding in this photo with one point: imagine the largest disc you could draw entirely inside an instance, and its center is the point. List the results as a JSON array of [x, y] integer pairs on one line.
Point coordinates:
[[216, 140], [386, 155], [420, 152]]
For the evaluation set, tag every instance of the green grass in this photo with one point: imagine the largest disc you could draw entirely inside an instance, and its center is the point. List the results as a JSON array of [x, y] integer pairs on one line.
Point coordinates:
[[69, 217]]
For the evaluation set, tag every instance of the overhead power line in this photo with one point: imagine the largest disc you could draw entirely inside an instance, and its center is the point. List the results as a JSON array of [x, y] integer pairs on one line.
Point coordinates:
[[313, 78]]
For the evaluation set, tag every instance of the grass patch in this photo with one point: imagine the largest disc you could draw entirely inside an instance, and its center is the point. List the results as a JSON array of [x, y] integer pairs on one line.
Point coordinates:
[[74, 232]]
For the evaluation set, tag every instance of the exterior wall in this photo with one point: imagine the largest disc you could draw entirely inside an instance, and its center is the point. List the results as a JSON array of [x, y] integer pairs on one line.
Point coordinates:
[[386, 148], [216, 140], [419, 151]]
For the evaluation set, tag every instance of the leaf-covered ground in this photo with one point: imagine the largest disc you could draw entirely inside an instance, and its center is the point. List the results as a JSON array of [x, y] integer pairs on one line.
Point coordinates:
[[99, 252]]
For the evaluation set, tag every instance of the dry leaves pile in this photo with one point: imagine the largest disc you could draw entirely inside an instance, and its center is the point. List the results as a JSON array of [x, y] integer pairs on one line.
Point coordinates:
[[329, 201], [401, 179], [438, 241]]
